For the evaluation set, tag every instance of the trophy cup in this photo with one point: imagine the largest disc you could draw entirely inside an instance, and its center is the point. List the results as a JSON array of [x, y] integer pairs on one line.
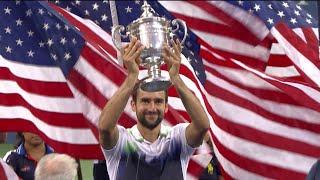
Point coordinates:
[[153, 32]]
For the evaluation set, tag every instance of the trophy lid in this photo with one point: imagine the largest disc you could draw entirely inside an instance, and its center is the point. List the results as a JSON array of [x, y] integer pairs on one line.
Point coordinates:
[[147, 10], [148, 15]]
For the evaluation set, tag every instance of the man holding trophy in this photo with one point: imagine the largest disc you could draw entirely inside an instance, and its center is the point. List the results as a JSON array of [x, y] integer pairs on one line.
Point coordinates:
[[150, 150]]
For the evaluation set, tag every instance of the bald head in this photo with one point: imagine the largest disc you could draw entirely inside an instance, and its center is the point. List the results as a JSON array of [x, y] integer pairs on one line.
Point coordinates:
[[56, 166]]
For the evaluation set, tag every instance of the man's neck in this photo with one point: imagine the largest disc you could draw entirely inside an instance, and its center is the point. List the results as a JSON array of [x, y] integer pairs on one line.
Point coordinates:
[[36, 152], [148, 134]]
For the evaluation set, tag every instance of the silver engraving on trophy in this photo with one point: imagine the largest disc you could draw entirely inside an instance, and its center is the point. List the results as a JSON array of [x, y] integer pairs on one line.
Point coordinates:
[[153, 32]]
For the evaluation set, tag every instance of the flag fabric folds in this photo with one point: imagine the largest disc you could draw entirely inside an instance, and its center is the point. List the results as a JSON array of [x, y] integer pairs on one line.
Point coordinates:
[[57, 71], [6, 172]]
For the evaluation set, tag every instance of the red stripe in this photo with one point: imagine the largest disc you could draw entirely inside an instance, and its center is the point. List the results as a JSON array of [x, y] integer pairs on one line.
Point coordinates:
[[214, 28], [279, 60], [299, 44], [52, 118], [244, 103], [264, 94], [258, 136], [87, 33], [260, 168], [294, 93], [104, 66], [53, 89], [86, 88], [258, 64], [229, 20], [194, 168], [3, 175], [312, 41], [83, 151]]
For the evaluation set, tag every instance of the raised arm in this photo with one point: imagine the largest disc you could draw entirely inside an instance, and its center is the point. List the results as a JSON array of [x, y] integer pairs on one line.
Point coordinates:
[[108, 131], [199, 125]]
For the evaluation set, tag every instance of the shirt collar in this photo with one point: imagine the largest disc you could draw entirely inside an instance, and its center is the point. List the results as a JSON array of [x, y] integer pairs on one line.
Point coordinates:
[[164, 131]]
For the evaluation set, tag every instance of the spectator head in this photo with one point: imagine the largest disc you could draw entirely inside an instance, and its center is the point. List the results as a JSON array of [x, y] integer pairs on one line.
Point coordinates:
[[56, 167]]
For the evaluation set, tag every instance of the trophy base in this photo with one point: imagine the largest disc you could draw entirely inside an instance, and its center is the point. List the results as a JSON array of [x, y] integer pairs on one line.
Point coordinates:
[[155, 84]]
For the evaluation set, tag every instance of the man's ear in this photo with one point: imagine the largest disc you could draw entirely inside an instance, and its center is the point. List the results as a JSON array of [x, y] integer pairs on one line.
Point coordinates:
[[166, 108], [133, 105]]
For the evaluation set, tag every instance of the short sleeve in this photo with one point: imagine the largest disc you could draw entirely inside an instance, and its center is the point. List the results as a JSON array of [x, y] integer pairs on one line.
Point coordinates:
[[186, 150], [180, 132], [113, 155]]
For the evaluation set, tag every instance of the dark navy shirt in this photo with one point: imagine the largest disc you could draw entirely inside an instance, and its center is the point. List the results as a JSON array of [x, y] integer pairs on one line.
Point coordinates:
[[22, 163], [314, 173]]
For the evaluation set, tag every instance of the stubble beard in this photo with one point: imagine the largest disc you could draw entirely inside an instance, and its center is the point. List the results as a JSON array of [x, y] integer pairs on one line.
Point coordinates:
[[150, 125]]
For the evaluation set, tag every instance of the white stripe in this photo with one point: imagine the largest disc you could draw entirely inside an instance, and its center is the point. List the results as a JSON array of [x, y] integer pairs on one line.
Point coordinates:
[[202, 159], [299, 59], [285, 110], [276, 48], [182, 7], [316, 32], [300, 33], [234, 45], [252, 150], [203, 48], [191, 177], [289, 71], [97, 30], [11, 175], [41, 73], [114, 60], [60, 134], [243, 77], [176, 103], [46, 103], [104, 85], [253, 23], [235, 171], [89, 110], [249, 118], [312, 93]]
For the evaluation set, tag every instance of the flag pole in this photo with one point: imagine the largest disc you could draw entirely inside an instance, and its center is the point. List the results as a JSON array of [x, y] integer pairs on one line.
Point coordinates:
[[115, 21], [79, 172]]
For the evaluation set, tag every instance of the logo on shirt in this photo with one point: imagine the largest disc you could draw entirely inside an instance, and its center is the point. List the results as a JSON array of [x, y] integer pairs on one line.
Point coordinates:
[[25, 169]]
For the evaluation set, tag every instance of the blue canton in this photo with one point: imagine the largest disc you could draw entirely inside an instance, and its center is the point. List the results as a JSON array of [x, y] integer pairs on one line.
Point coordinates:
[[272, 12], [32, 33]]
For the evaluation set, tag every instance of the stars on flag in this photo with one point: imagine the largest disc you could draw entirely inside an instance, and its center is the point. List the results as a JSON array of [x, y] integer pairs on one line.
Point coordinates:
[[128, 9], [274, 11]]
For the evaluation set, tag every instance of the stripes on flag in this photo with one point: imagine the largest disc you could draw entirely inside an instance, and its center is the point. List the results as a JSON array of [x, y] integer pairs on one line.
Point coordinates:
[[6, 172], [263, 126]]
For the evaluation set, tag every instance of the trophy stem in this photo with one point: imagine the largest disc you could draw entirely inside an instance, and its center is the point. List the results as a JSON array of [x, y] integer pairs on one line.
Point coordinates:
[[154, 71], [154, 81]]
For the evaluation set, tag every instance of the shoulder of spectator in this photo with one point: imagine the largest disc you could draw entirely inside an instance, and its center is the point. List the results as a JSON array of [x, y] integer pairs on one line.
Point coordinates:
[[5, 157]]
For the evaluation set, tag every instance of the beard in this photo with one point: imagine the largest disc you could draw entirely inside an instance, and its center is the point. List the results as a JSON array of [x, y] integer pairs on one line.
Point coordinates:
[[150, 125]]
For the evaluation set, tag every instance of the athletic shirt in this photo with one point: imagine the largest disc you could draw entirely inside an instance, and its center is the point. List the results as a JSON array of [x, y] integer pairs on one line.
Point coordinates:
[[135, 158]]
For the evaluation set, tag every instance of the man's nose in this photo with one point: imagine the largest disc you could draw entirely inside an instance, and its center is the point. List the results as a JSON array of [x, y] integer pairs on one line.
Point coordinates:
[[152, 105]]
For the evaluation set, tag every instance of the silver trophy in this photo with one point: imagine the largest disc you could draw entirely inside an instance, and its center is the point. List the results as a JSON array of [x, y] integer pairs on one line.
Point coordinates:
[[153, 32]]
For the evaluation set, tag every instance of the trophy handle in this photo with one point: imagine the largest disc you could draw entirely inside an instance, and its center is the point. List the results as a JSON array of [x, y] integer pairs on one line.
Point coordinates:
[[116, 30], [176, 22]]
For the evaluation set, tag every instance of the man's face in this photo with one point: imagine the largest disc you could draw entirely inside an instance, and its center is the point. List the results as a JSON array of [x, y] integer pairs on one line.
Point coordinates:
[[32, 139], [150, 108]]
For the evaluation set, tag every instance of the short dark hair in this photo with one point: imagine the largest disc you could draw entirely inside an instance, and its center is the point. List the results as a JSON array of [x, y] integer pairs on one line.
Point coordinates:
[[136, 89]]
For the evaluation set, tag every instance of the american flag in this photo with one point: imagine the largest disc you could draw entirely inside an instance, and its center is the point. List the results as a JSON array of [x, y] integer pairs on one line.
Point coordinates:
[[6, 172], [262, 126], [39, 53]]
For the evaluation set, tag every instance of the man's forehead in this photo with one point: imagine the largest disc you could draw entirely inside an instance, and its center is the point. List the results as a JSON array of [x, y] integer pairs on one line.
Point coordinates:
[[157, 94]]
